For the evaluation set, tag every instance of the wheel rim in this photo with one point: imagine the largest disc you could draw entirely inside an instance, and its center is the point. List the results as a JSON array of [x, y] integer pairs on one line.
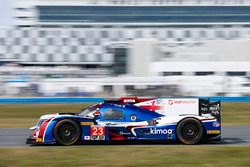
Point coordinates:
[[67, 132], [190, 131]]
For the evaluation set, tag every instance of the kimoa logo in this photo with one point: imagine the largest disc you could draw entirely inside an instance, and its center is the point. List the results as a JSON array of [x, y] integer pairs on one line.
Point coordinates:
[[156, 131]]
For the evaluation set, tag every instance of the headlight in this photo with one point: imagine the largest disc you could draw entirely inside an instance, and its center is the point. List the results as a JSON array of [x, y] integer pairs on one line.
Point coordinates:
[[39, 124]]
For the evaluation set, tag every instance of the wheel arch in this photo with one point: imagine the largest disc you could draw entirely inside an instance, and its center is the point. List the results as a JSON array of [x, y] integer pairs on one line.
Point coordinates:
[[187, 118], [195, 118], [49, 132], [65, 122]]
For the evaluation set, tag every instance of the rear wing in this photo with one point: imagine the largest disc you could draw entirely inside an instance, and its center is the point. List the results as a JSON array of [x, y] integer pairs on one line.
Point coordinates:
[[207, 107], [129, 99]]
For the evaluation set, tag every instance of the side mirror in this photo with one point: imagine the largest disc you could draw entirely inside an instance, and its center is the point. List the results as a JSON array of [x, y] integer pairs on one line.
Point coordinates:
[[97, 114]]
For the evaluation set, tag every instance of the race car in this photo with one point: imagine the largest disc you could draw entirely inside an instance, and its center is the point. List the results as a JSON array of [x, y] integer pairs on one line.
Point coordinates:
[[186, 120]]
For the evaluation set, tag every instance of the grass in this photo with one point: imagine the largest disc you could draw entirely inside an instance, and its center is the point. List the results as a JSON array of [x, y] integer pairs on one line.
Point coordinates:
[[26, 115], [236, 114], [126, 156]]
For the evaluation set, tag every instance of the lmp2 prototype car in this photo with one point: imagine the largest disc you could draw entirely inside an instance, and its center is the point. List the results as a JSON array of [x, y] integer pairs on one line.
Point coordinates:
[[187, 120]]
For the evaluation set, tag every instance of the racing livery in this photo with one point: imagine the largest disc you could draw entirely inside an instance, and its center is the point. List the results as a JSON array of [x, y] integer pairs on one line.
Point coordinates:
[[187, 120]]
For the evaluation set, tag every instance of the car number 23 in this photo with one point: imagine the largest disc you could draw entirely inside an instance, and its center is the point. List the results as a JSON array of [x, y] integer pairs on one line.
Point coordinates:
[[97, 131]]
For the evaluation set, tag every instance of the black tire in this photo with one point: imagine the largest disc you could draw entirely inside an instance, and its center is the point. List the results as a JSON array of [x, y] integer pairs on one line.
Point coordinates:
[[67, 132], [189, 131]]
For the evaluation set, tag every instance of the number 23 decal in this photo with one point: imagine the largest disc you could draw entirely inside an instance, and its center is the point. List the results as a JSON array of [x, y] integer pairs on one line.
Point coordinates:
[[97, 131]]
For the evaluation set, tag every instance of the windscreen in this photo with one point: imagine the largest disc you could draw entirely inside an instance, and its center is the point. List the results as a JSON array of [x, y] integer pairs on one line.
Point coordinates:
[[87, 111]]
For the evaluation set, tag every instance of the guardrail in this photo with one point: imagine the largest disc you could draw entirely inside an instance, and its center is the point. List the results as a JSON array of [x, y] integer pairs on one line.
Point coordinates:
[[97, 100]]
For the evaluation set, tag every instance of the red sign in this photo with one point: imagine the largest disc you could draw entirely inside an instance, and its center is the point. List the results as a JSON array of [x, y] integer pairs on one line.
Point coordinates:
[[97, 131]]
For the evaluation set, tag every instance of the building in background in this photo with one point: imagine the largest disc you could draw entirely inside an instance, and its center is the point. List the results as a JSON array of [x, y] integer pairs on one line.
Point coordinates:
[[146, 38]]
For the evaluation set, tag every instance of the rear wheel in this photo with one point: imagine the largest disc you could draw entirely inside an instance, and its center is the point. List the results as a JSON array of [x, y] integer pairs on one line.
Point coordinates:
[[189, 131], [67, 132]]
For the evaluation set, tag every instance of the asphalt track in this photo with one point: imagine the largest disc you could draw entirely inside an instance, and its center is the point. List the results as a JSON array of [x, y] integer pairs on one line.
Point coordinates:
[[231, 135]]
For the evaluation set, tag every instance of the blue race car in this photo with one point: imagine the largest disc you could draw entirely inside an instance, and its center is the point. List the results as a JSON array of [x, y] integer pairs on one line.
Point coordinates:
[[187, 120]]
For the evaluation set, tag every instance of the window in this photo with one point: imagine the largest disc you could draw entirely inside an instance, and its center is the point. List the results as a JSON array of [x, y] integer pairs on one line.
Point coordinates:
[[65, 41], [50, 58], [220, 34], [138, 34], [33, 57], [2, 41], [170, 34], [97, 41], [17, 56], [73, 49], [25, 33], [42, 33], [104, 34], [50, 41], [9, 48], [204, 73], [236, 73], [113, 114], [203, 34], [120, 34], [82, 57], [74, 34], [129, 87], [234, 34], [16, 41], [187, 34], [25, 49], [154, 33], [42, 49], [99, 57], [81, 41], [65, 57], [90, 49], [107, 88], [171, 73]]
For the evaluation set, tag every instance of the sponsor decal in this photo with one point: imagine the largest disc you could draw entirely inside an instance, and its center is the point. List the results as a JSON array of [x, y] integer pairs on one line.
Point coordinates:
[[97, 132], [133, 117], [204, 110], [216, 124], [87, 123], [86, 137], [172, 102], [170, 136], [39, 140], [97, 137], [215, 112], [119, 105], [215, 109], [131, 138], [152, 122], [213, 132], [155, 131], [124, 133], [129, 101]]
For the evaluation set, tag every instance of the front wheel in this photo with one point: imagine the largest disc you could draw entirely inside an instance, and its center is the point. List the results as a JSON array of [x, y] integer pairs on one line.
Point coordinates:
[[189, 131], [67, 132]]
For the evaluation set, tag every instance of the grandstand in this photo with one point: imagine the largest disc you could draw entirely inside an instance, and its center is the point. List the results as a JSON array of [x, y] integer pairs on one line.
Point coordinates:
[[104, 38]]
